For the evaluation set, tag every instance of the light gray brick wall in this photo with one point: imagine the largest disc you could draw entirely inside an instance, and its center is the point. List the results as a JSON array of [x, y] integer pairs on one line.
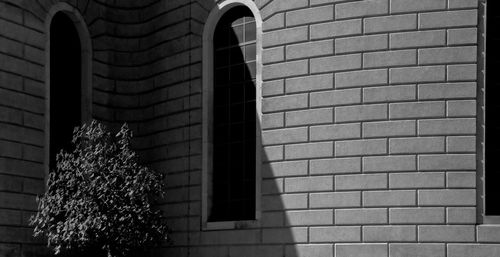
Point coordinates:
[[368, 130]]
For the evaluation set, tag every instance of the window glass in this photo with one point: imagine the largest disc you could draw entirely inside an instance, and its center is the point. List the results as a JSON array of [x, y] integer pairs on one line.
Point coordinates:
[[65, 83], [234, 117]]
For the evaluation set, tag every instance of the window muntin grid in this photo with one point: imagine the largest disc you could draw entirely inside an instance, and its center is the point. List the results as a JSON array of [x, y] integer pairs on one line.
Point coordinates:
[[234, 117]]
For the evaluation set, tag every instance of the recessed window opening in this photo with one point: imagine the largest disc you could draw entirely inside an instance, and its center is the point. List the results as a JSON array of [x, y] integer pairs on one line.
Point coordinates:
[[492, 110], [65, 83], [234, 117]]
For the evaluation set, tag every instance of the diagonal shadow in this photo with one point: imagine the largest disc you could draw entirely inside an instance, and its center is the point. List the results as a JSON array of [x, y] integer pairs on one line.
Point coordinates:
[[237, 119]]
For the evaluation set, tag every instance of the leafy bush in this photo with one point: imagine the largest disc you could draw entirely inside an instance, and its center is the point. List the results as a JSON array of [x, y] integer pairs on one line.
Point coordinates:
[[99, 196]]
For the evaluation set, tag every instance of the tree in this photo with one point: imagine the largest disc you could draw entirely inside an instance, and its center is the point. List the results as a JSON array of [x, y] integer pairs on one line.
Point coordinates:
[[99, 196]]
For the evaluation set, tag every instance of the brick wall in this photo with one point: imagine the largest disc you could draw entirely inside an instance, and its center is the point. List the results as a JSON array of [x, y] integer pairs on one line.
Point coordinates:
[[369, 122], [22, 107], [369, 133], [146, 55]]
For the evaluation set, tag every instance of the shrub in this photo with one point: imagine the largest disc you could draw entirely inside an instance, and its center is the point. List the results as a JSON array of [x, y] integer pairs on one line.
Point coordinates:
[[99, 196]]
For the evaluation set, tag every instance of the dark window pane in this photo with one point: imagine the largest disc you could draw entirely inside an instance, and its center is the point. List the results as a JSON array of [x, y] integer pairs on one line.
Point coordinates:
[[250, 130], [250, 159], [236, 113], [237, 93], [236, 161], [492, 131], [221, 134], [65, 83], [234, 117], [221, 76], [221, 37], [221, 58], [237, 132], [221, 115], [249, 91], [221, 96], [237, 73], [221, 152]]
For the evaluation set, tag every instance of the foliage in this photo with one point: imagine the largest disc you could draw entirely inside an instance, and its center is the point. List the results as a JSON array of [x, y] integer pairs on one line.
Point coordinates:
[[99, 196]]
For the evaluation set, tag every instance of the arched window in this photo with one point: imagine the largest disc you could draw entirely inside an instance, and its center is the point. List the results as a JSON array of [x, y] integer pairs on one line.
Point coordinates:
[[68, 78], [491, 133], [234, 117], [231, 115], [65, 78]]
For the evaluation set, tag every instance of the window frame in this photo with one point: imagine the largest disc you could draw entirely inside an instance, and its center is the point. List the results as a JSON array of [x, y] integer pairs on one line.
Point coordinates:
[[86, 70], [207, 123], [482, 218]]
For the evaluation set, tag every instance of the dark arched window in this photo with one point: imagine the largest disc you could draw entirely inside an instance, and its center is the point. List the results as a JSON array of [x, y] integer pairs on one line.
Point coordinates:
[[234, 117], [65, 83], [492, 106]]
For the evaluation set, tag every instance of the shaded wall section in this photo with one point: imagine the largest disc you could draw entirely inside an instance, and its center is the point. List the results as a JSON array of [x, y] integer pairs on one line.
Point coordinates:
[[22, 122]]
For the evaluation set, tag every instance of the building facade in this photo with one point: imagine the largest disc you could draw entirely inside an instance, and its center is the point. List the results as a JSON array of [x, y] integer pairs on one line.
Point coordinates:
[[373, 128]]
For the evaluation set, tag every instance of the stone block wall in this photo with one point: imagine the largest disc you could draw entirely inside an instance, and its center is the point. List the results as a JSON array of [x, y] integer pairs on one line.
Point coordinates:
[[145, 61], [369, 126], [369, 133], [22, 106]]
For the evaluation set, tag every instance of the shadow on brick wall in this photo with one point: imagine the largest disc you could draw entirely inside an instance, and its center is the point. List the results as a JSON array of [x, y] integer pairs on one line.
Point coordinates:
[[274, 236]]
